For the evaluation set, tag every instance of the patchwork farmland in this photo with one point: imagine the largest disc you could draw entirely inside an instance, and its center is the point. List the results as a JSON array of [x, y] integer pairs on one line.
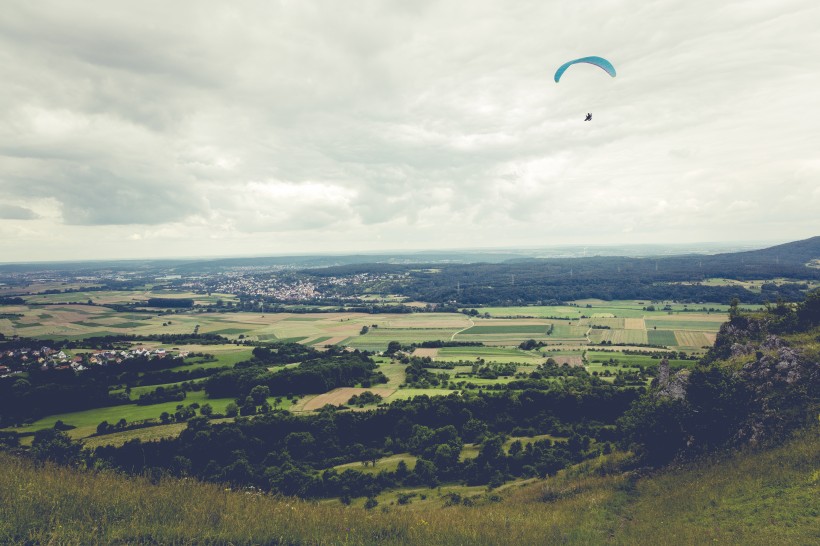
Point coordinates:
[[588, 322], [600, 336]]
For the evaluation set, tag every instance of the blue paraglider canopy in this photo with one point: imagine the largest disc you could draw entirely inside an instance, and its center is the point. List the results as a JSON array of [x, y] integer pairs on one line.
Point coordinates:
[[597, 61]]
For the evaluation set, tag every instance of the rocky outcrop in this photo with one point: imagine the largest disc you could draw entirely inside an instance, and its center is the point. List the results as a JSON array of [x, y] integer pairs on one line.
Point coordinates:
[[670, 386], [782, 381]]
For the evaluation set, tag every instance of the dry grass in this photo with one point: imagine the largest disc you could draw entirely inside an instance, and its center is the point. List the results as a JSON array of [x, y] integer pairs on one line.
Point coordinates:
[[688, 338], [340, 396], [64, 506], [767, 497], [570, 360], [634, 324]]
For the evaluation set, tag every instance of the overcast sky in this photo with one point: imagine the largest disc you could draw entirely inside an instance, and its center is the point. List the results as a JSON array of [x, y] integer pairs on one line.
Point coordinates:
[[154, 129]]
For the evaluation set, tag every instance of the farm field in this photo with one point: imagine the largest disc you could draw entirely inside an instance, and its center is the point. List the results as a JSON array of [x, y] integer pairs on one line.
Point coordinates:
[[406, 394], [108, 297], [393, 370], [86, 421], [593, 308], [619, 337], [695, 339], [478, 381], [623, 360], [137, 391], [662, 337], [340, 396], [569, 360], [582, 327], [488, 354], [692, 322], [626, 323]]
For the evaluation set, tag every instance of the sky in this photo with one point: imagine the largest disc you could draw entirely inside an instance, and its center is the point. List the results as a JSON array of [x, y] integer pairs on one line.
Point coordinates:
[[142, 129]]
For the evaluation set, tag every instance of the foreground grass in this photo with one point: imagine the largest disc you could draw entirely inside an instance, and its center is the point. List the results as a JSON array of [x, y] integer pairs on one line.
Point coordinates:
[[767, 497]]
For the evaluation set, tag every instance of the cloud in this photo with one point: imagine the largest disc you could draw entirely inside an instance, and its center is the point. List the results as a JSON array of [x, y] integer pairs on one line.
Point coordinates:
[[13, 212], [419, 123]]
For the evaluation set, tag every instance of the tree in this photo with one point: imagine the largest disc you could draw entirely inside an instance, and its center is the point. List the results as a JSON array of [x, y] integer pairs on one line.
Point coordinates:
[[259, 394], [56, 446], [248, 407], [808, 312], [515, 448], [475, 430], [425, 472], [206, 409], [300, 444], [392, 348], [370, 503], [231, 410], [528, 345], [654, 428], [401, 470]]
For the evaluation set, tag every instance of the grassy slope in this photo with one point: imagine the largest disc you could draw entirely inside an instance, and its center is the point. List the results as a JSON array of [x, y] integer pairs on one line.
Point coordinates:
[[765, 497]]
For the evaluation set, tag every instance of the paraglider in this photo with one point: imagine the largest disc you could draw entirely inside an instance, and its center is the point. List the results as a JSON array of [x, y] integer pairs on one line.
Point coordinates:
[[600, 62]]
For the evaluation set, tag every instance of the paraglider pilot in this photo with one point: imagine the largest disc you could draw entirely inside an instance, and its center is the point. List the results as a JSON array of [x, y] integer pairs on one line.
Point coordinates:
[[589, 117]]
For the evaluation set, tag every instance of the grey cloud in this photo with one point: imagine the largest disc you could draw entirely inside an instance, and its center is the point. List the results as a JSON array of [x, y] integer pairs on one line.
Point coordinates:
[[90, 196], [13, 212], [418, 118]]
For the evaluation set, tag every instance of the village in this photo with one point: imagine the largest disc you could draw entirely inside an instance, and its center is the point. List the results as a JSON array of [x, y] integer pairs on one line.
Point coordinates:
[[23, 359]]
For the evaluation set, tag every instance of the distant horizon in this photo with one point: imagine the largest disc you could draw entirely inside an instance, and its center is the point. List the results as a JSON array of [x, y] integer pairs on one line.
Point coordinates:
[[701, 246]]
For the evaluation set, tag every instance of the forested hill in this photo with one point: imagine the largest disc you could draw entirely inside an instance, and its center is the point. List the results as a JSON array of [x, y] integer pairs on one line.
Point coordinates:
[[796, 252], [791, 259], [553, 279]]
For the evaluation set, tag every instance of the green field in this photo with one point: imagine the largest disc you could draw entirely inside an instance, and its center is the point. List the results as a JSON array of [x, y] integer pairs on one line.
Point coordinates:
[[406, 394], [508, 329], [489, 354], [566, 331], [86, 421], [662, 337], [705, 325], [620, 337], [605, 309], [597, 357], [387, 464], [136, 392]]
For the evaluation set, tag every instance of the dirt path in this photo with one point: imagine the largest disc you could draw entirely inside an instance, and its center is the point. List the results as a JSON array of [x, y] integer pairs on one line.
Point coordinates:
[[452, 337]]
